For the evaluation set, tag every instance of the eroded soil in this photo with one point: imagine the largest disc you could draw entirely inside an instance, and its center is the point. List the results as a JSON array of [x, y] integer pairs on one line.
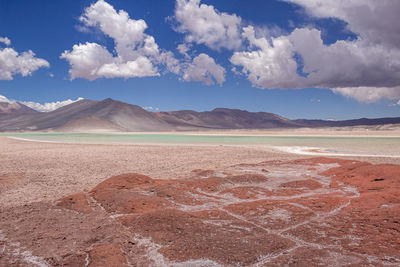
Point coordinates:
[[300, 213]]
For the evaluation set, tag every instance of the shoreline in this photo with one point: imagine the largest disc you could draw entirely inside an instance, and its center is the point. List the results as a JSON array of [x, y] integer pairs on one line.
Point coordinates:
[[316, 151], [296, 150], [317, 132]]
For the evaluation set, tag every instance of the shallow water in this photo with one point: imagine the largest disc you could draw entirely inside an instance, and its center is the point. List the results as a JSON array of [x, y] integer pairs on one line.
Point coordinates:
[[310, 145]]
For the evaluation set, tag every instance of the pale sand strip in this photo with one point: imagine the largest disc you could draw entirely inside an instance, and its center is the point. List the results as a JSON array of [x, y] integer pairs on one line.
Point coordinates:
[[318, 152], [299, 150], [36, 171], [357, 131]]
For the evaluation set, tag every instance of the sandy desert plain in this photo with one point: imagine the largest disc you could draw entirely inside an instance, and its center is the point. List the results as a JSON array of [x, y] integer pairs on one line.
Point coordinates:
[[154, 204]]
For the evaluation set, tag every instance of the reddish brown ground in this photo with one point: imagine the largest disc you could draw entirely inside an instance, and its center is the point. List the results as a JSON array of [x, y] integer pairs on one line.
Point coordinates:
[[302, 213]]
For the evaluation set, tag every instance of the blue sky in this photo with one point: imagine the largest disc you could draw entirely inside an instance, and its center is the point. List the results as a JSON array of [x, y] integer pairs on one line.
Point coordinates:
[[337, 79]]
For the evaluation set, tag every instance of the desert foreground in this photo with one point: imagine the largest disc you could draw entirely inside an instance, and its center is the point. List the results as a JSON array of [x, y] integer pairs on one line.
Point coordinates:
[[165, 205]]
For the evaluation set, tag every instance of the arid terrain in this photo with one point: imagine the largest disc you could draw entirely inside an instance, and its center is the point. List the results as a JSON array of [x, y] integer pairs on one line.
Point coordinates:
[[115, 116], [160, 205], [199, 133]]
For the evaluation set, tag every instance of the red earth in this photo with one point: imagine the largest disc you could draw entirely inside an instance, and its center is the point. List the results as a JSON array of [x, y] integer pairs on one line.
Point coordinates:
[[307, 212]]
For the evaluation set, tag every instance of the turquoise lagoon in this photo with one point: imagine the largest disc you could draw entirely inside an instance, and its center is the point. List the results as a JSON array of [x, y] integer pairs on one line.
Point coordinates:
[[321, 145]]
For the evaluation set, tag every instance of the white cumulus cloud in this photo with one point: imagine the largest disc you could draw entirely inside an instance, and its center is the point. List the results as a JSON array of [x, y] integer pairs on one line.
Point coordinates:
[[369, 94], [268, 65], [366, 69], [151, 109], [45, 107], [137, 53], [12, 62], [375, 21], [184, 49], [50, 106], [203, 24], [5, 40], [4, 99], [204, 69]]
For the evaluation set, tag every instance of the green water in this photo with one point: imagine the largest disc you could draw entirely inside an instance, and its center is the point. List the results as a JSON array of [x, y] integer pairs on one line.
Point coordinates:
[[388, 146]]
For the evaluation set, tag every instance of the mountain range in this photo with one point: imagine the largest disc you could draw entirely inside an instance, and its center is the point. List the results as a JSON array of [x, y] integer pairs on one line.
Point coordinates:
[[112, 115]]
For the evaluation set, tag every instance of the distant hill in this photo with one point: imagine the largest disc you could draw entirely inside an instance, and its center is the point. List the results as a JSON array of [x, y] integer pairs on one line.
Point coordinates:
[[345, 123], [15, 108], [111, 115], [223, 118], [105, 115]]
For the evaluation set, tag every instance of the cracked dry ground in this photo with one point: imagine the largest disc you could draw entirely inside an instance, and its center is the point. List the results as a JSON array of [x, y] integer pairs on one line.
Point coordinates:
[[300, 213]]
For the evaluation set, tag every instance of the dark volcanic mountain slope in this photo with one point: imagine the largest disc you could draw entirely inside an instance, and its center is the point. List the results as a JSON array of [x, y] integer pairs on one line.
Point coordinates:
[[222, 118], [15, 108]]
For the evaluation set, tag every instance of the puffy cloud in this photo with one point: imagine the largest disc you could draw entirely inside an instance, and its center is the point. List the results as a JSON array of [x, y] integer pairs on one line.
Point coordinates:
[[369, 94], [5, 40], [345, 63], [141, 67], [12, 62], [172, 64], [204, 69], [137, 52], [87, 59], [184, 49], [47, 107], [91, 61], [375, 21], [268, 65], [151, 109], [4, 99], [367, 69], [201, 69], [128, 34], [203, 24]]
